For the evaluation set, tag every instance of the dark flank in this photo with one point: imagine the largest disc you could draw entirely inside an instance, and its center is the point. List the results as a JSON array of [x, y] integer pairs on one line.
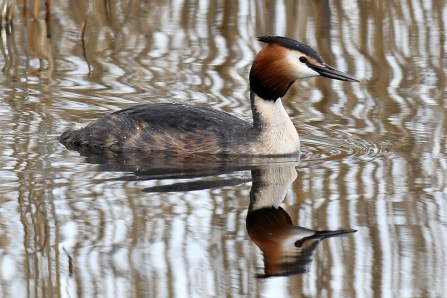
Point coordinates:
[[161, 127]]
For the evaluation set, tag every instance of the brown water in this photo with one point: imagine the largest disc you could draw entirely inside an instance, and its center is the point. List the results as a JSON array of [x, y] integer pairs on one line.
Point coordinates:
[[374, 153]]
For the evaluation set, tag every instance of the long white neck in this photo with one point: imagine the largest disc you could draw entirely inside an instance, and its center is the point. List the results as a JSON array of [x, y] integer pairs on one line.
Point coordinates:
[[278, 134]]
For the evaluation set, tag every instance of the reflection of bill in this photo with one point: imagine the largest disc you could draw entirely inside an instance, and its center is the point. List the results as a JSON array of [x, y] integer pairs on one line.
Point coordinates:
[[287, 249]]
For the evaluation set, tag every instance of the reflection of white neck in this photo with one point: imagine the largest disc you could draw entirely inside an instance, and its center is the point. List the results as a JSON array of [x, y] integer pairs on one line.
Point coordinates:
[[279, 135], [273, 185]]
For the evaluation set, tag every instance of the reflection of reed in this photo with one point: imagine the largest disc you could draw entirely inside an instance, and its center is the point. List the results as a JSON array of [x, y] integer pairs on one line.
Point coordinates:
[[39, 44], [36, 43], [7, 8]]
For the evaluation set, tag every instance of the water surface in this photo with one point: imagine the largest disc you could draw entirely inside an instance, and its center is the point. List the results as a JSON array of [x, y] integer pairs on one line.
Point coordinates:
[[374, 153]]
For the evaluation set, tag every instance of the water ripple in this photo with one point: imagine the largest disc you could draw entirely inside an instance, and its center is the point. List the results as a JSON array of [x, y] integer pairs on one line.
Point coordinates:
[[331, 144]]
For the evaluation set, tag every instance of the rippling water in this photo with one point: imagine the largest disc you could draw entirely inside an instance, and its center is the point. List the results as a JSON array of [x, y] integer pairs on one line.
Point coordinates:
[[374, 153]]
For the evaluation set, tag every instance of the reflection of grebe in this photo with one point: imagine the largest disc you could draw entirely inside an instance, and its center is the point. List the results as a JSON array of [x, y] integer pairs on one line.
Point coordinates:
[[287, 249], [195, 129]]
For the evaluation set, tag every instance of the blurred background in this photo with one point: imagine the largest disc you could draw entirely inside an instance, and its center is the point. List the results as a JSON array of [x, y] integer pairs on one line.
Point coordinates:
[[374, 154]]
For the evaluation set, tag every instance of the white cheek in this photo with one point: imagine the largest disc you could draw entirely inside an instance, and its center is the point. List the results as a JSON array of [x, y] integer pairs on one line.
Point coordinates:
[[300, 70]]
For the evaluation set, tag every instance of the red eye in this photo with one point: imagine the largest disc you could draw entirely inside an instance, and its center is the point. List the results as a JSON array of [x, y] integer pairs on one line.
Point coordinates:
[[303, 59]]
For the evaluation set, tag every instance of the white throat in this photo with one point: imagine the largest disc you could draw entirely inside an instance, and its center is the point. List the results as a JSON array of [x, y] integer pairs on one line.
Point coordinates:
[[279, 135]]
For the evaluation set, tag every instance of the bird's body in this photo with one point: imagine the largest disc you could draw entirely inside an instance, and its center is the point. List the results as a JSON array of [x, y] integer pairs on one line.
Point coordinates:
[[187, 129]]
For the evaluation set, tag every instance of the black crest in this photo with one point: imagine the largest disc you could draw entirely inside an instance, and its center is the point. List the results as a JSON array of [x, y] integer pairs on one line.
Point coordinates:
[[292, 45]]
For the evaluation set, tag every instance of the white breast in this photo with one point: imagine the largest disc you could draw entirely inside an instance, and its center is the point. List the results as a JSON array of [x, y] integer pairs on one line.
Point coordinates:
[[279, 135]]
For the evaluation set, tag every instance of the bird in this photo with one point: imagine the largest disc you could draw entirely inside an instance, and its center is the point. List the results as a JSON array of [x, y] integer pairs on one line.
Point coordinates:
[[193, 129]]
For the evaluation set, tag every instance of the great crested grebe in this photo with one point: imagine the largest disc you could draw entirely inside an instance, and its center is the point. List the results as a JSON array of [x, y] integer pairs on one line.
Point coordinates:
[[195, 129]]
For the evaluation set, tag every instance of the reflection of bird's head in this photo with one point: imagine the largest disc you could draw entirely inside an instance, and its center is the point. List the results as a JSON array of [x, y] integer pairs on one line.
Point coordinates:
[[287, 249]]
